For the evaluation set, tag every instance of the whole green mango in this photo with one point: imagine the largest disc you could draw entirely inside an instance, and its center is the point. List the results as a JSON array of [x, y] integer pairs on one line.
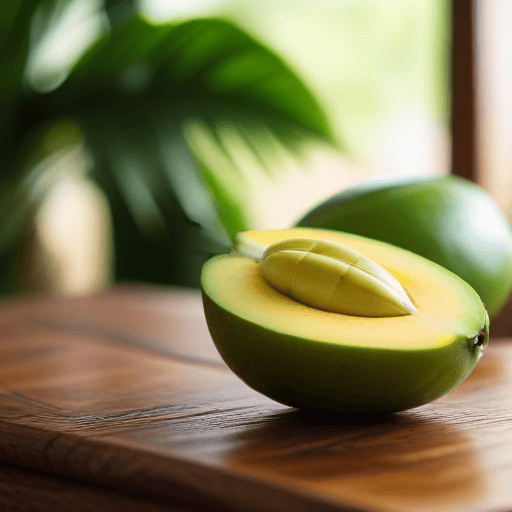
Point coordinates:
[[448, 220]]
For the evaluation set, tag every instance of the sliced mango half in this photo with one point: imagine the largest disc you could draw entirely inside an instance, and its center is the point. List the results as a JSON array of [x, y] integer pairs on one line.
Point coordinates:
[[299, 353]]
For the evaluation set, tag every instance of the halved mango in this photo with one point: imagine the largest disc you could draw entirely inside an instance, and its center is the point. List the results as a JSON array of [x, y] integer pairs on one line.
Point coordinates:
[[306, 357]]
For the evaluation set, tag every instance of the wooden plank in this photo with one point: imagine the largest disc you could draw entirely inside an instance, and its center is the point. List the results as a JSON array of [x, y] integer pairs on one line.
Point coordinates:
[[177, 320], [22, 490], [160, 416]]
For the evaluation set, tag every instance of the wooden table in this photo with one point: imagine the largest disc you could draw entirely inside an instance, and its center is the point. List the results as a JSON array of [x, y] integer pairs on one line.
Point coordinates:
[[120, 402]]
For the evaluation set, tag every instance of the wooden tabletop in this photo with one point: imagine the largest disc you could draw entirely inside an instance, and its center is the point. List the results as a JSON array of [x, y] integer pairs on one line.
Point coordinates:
[[121, 399]]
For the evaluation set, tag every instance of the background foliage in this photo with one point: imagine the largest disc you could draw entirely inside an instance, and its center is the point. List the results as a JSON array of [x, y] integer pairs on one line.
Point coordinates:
[[154, 108], [188, 124]]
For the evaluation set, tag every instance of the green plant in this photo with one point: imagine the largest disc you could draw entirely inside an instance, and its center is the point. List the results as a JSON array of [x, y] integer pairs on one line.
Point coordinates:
[[142, 101]]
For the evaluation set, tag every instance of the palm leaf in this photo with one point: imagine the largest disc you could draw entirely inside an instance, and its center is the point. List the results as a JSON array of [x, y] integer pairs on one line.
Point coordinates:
[[135, 95]]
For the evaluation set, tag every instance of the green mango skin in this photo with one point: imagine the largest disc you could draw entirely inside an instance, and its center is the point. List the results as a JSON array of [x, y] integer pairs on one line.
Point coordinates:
[[448, 220], [308, 374]]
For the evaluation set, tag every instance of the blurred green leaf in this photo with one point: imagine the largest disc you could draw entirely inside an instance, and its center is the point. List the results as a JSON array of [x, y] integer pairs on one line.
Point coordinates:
[[135, 94], [15, 20], [208, 61]]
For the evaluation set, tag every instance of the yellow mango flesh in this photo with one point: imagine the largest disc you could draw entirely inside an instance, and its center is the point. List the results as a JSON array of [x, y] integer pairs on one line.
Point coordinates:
[[447, 307]]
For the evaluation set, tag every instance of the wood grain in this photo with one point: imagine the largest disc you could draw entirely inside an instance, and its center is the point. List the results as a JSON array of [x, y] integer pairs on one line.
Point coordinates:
[[125, 390], [22, 490]]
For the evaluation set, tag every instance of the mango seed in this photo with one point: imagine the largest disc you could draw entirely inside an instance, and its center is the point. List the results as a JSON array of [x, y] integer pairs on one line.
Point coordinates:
[[329, 276]]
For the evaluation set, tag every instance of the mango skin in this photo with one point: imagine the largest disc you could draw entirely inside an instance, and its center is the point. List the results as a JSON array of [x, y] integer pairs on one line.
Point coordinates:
[[307, 373], [448, 220]]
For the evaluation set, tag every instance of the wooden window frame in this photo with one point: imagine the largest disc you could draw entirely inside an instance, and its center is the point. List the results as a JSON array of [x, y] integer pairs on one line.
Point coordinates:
[[463, 100]]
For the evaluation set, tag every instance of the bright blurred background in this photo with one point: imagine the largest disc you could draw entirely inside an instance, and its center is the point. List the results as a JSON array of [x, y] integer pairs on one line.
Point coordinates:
[[380, 69], [377, 71]]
